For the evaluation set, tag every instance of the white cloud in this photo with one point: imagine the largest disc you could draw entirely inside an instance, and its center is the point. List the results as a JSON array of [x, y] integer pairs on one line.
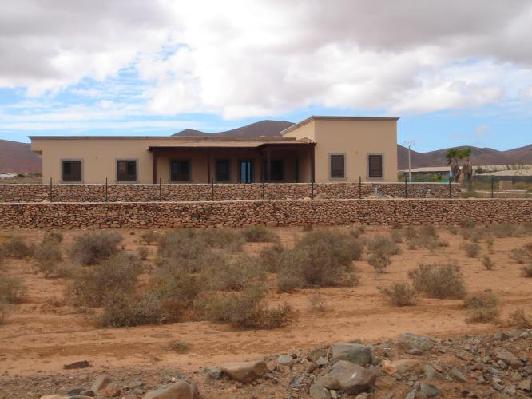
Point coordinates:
[[249, 58]]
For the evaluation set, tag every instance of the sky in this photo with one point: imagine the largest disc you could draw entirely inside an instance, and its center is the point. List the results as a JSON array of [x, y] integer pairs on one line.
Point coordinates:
[[456, 72]]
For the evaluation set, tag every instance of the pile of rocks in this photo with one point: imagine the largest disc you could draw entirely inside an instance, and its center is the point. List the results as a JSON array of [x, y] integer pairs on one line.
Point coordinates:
[[409, 367]]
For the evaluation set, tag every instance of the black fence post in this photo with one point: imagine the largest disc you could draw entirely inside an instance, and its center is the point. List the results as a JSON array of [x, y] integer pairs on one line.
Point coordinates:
[[212, 189], [262, 189], [492, 184], [450, 187], [160, 189], [312, 190], [50, 194], [359, 187], [106, 193], [406, 186]]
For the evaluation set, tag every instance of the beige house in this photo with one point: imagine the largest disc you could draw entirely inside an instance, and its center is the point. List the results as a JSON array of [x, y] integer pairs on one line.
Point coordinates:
[[320, 148]]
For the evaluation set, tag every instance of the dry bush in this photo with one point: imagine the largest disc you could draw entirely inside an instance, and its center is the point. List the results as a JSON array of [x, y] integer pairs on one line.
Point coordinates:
[[471, 249], [259, 234], [523, 254], [143, 253], [379, 262], [474, 234], [53, 236], [150, 237], [270, 258], [48, 257], [482, 307], [357, 231], [467, 223], [12, 289], [94, 247], [246, 310], [400, 294], [179, 346], [318, 303], [518, 318], [233, 274], [321, 259], [503, 230], [424, 237], [527, 270], [487, 263], [16, 247], [396, 235], [125, 309], [438, 281], [489, 244], [91, 286], [384, 246], [3, 312]]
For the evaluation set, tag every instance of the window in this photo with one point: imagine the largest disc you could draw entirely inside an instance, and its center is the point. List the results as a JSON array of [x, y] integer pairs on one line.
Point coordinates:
[[222, 170], [179, 170], [126, 170], [71, 171], [337, 166], [276, 170], [375, 166]]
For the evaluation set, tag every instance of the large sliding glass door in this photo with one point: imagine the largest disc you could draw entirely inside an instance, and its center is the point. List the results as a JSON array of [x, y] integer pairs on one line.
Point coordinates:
[[245, 171]]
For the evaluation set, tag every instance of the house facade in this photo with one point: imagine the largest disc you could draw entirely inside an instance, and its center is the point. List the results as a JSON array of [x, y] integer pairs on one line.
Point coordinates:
[[319, 149]]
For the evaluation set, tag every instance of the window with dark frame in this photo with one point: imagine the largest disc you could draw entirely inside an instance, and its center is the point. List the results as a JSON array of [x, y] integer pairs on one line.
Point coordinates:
[[222, 170], [375, 166], [179, 170], [71, 171], [126, 170], [337, 166], [277, 170]]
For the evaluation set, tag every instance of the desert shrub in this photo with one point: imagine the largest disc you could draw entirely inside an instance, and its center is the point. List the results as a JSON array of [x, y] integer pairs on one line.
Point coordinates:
[[270, 258], [48, 256], [487, 263], [246, 310], [16, 247], [424, 237], [233, 274], [124, 309], [503, 230], [321, 258], [489, 244], [438, 281], [318, 302], [3, 312], [523, 254], [471, 249], [381, 245], [400, 294], [12, 290], [379, 261], [179, 346], [467, 223], [150, 237], [357, 231], [227, 239], [143, 253], [482, 307], [259, 234], [91, 286], [94, 247], [53, 236], [527, 270], [396, 236], [519, 319]]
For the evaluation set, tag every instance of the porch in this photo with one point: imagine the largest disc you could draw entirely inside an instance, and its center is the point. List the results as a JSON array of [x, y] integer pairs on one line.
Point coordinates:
[[234, 163]]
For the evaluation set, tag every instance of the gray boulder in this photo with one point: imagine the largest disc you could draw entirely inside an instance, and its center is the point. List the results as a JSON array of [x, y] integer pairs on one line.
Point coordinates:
[[318, 392], [348, 377], [427, 391], [245, 372], [415, 343], [507, 357], [352, 352], [178, 390]]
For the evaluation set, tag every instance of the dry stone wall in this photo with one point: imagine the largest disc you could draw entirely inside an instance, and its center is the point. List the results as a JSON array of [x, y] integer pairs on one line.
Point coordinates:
[[271, 212], [217, 192]]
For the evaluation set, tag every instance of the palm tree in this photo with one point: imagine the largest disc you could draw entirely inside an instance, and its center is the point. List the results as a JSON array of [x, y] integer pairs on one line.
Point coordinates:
[[454, 156]]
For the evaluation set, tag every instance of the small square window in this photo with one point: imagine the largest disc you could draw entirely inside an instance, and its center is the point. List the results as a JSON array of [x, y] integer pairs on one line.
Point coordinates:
[[337, 165], [179, 170], [222, 170], [126, 170], [71, 171], [375, 166]]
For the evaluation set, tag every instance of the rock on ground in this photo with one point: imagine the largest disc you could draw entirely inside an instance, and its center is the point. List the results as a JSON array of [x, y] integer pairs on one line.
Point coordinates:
[[245, 372], [352, 352], [178, 390], [348, 377]]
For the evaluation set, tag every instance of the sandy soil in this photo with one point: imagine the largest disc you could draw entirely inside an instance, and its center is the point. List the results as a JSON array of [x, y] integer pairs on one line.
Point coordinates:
[[43, 334]]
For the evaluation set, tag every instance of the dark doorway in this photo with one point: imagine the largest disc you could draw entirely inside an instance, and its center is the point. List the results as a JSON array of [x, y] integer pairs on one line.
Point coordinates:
[[245, 171]]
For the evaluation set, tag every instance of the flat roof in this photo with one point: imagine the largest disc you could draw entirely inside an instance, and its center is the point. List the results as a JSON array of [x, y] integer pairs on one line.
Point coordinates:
[[232, 144], [173, 138], [339, 118]]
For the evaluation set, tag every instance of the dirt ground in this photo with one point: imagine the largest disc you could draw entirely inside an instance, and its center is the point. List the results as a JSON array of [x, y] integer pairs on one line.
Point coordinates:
[[44, 333]]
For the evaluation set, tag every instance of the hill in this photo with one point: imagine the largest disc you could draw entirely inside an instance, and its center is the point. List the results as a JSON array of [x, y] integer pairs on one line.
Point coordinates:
[[257, 129], [17, 157]]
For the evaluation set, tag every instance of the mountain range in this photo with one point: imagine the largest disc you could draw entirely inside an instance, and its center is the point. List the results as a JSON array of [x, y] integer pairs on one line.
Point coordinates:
[[17, 157]]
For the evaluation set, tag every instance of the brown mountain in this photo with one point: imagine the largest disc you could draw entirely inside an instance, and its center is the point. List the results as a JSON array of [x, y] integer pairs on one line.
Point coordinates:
[[257, 129], [17, 157]]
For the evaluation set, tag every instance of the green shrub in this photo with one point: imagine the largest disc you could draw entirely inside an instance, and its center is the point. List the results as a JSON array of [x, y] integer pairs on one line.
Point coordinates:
[[91, 286], [259, 234], [12, 290], [400, 294], [16, 247], [124, 309], [438, 281], [246, 310], [270, 258], [94, 247], [487, 263], [320, 259], [482, 307], [48, 257], [471, 249]]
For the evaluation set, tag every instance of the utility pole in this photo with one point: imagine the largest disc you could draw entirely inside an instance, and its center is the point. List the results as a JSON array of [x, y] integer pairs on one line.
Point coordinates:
[[409, 145]]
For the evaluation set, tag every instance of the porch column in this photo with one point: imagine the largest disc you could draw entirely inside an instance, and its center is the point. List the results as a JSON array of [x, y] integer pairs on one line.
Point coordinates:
[[154, 167], [208, 167], [268, 165], [312, 165]]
